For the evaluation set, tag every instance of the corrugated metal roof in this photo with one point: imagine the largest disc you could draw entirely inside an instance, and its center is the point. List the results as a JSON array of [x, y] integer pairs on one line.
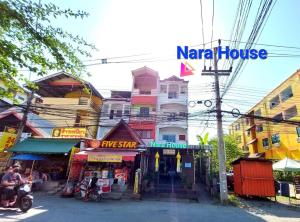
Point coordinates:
[[44, 145]]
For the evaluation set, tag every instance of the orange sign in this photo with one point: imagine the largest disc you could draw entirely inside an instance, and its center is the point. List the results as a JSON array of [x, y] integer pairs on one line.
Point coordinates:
[[112, 144], [69, 132]]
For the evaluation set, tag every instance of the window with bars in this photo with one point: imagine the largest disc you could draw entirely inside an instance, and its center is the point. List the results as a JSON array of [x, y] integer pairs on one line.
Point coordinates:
[[286, 94], [169, 138], [290, 113], [144, 112], [144, 134]]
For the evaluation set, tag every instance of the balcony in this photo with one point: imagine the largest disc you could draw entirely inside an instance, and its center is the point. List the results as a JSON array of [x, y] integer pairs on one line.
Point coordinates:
[[82, 103]]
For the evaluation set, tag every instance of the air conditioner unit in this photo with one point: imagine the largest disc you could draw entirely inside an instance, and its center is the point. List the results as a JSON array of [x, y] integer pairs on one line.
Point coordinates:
[[276, 144], [266, 147]]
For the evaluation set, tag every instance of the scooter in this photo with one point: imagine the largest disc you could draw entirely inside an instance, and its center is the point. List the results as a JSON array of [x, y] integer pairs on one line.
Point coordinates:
[[85, 192], [24, 199]]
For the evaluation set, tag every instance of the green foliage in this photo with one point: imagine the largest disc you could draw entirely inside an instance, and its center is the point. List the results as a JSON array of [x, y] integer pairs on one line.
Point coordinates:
[[203, 140], [30, 42], [231, 149], [285, 176]]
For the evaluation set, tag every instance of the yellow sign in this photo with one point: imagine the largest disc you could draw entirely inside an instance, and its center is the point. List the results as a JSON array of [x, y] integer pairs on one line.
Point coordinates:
[[69, 132], [156, 162], [7, 140], [105, 158]]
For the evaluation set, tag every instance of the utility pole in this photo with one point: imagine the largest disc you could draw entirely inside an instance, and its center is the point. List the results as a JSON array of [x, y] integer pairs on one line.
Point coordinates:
[[221, 149], [25, 116]]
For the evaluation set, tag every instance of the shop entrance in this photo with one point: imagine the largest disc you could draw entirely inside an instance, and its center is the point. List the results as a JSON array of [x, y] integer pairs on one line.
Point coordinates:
[[167, 170]]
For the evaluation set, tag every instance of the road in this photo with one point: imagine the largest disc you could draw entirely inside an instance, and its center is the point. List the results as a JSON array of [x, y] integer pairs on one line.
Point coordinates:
[[56, 209]]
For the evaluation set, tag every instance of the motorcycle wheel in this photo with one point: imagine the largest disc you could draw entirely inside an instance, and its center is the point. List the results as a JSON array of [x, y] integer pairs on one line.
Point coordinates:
[[25, 204]]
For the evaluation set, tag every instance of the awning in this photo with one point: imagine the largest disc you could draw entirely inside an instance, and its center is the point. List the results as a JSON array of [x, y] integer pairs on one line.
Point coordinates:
[[46, 146], [105, 156]]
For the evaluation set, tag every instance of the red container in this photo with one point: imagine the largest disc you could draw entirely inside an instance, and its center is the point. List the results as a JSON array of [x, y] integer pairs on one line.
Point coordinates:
[[253, 177]]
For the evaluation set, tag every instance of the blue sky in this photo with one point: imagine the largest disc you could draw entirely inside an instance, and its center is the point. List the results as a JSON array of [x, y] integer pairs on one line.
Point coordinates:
[[120, 28]]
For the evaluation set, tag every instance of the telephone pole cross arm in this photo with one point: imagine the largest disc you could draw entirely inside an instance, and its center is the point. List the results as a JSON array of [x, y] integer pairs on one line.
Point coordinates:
[[221, 149]]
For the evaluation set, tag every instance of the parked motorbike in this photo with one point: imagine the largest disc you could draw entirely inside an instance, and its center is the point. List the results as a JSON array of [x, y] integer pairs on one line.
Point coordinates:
[[24, 199], [84, 191]]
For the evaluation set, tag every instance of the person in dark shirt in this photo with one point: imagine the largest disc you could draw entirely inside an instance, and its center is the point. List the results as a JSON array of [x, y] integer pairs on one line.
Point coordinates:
[[94, 181], [9, 181]]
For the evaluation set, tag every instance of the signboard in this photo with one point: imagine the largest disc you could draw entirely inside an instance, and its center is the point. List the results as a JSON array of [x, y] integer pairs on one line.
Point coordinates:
[[69, 132], [7, 140], [297, 184], [169, 152], [167, 145], [111, 144], [188, 165], [105, 158]]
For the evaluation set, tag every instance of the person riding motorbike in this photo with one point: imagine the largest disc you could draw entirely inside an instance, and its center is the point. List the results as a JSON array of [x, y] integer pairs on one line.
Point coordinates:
[[9, 181]]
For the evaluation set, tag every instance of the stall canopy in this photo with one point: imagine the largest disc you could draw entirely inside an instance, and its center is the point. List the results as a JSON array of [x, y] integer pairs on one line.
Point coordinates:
[[45, 146], [27, 157], [287, 165]]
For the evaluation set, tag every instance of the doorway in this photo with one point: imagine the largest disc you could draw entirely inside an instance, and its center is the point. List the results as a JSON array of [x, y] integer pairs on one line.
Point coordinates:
[[167, 170]]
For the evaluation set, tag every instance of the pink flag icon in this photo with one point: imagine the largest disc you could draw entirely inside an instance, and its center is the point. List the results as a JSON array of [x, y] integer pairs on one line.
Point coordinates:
[[186, 69]]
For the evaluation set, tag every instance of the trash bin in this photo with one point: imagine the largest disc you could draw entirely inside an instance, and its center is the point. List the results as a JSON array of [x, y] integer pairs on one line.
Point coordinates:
[[284, 189]]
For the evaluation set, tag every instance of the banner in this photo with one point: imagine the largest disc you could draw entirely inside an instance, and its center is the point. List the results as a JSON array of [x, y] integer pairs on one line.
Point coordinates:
[[69, 132], [7, 140], [105, 158]]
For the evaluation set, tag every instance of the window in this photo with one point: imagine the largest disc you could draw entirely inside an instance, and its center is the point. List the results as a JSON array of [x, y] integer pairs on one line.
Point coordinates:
[[163, 89], [111, 114], [265, 142], [286, 94], [127, 110], [259, 128], [145, 92], [248, 132], [239, 139], [257, 112], [275, 138], [169, 138], [181, 137], [278, 117], [77, 120], [119, 113], [105, 108], [183, 114], [144, 111], [274, 102], [298, 130], [172, 95], [183, 89], [290, 113], [237, 127], [144, 134]]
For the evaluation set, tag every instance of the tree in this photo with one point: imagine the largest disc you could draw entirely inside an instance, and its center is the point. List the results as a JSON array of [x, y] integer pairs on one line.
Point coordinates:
[[29, 41], [232, 152]]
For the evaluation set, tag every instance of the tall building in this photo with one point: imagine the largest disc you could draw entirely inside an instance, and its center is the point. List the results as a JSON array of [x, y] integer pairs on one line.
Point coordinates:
[[114, 109], [172, 111], [274, 140], [143, 116], [66, 103]]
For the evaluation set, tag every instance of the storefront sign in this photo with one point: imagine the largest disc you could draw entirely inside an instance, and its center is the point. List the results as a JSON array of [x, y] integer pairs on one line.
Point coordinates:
[[188, 165], [112, 144], [7, 140], [105, 158], [169, 152], [69, 132], [167, 145]]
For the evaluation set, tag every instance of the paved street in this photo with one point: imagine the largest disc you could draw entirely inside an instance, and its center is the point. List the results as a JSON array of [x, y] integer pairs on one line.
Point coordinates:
[[56, 209]]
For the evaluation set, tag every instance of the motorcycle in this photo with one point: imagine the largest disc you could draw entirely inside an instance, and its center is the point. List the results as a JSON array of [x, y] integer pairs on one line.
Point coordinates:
[[84, 191], [24, 199]]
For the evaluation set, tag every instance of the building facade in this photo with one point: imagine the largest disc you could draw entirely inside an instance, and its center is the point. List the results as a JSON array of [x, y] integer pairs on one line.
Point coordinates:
[[69, 102], [274, 139], [114, 109]]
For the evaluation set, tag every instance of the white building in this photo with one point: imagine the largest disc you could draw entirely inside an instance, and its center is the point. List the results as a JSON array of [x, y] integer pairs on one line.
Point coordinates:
[[172, 111], [113, 110]]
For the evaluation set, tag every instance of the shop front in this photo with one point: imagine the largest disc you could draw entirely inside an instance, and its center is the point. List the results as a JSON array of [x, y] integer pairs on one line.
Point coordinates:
[[53, 157], [171, 165], [113, 160]]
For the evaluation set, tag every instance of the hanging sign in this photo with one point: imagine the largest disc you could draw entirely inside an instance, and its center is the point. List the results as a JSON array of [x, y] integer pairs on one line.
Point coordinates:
[[69, 132], [7, 140], [105, 158], [169, 152]]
